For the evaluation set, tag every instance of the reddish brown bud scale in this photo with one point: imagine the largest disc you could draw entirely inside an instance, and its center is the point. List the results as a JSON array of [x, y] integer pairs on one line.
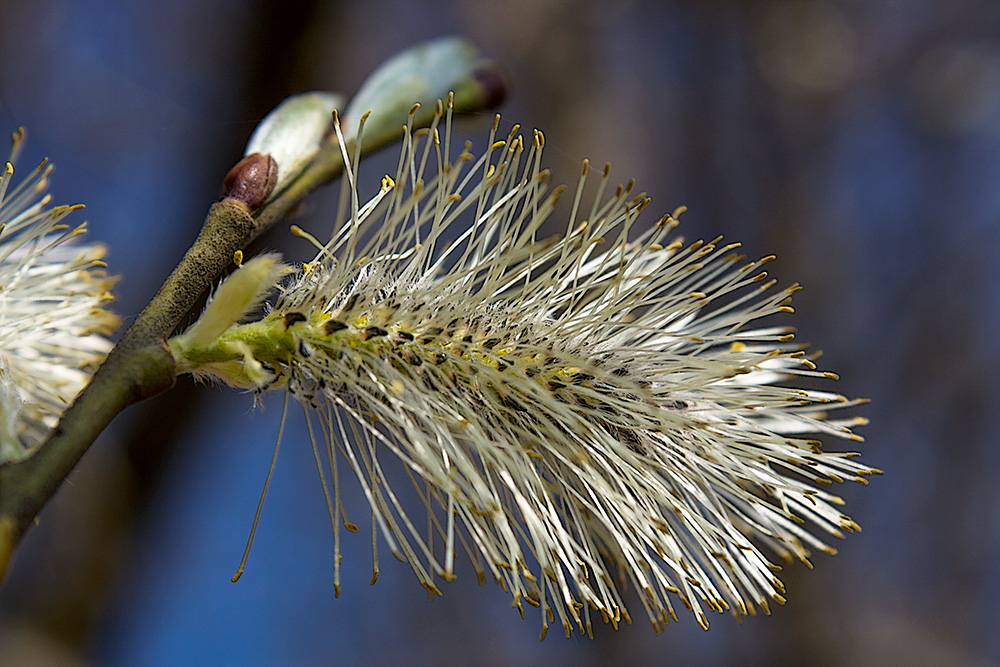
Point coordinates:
[[251, 180], [495, 84]]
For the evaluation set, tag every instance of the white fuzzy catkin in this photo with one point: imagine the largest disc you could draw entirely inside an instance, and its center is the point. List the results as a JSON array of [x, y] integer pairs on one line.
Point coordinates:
[[53, 322], [578, 413]]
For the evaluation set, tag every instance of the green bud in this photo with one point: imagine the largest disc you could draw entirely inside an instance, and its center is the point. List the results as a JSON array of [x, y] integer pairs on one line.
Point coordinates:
[[423, 73], [294, 131]]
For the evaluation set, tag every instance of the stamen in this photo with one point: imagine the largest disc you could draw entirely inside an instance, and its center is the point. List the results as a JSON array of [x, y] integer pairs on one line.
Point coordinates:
[[263, 493]]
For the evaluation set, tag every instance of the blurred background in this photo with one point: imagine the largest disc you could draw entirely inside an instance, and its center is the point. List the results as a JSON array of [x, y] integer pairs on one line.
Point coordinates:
[[859, 140]]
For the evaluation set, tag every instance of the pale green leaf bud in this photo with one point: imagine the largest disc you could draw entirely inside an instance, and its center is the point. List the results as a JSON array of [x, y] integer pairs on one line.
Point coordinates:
[[423, 73], [237, 296], [293, 132]]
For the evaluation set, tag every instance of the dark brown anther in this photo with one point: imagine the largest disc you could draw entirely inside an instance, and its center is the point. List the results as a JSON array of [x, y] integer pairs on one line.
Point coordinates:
[[430, 334], [333, 326], [350, 303], [251, 180], [292, 318], [372, 332]]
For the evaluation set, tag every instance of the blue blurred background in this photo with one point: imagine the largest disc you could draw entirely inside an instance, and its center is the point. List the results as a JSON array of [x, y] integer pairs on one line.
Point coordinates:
[[857, 140]]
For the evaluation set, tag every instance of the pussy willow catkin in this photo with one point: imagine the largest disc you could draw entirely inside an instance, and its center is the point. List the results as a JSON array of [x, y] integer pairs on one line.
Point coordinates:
[[577, 412], [54, 322]]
